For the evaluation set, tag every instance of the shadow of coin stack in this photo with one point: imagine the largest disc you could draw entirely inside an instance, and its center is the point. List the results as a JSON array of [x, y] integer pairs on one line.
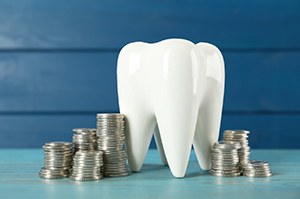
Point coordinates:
[[57, 160], [225, 159], [87, 161], [111, 140]]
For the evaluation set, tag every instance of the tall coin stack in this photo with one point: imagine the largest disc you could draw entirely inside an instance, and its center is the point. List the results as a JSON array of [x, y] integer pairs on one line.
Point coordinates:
[[111, 140], [87, 166], [57, 160], [85, 139], [240, 136], [225, 159], [257, 168]]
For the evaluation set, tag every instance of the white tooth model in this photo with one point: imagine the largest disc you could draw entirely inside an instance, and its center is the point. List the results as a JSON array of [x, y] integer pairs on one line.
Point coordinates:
[[178, 86]]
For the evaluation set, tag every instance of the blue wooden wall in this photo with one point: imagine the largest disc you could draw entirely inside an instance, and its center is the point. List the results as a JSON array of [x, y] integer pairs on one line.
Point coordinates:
[[58, 62]]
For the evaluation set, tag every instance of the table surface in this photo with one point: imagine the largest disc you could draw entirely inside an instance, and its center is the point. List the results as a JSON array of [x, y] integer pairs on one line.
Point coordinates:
[[19, 179]]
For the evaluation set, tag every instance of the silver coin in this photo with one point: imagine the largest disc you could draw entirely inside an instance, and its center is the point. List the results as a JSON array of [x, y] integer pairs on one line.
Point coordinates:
[[110, 115], [223, 158], [85, 139], [111, 140], [259, 163], [240, 136], [226, 145], [58, 144], [94, 178], [225, 175], [57, 160], [237, 132], [87, 165], [116, 175], [53, 174], [257, 175], [85, 130]]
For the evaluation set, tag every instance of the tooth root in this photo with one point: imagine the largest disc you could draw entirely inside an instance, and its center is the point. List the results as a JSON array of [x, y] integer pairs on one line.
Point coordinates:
[[176, 115], [210, 111], [140, 121], [177, 132], [139, 131], [159, 146]]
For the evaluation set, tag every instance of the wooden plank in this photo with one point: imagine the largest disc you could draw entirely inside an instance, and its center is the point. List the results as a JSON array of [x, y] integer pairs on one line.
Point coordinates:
[[19, 179], [86, 82], [110, 25], [58, 82], [267, 131], [259, 81], [27, 131]]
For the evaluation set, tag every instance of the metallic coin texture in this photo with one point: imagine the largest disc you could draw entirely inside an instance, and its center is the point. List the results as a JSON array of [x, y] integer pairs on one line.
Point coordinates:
[[231, 157], [225, 159], [111, 140], [87, 165], [85, 139], [57, 160], [257, 168], [240, 136]]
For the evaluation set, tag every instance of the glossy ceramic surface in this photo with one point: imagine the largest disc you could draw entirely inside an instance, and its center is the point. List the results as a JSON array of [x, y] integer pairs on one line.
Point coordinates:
[[174, 88]]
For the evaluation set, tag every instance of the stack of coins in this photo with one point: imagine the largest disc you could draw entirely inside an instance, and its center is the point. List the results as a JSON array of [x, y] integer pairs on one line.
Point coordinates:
[[225, 159], [85, 139], [240, 136], [257, 168], [57, 160], [87, 166], [111, 139]]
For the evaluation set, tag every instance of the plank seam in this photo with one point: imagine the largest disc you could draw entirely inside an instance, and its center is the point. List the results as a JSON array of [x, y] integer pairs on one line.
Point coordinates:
[[116, 50], [16, 113]]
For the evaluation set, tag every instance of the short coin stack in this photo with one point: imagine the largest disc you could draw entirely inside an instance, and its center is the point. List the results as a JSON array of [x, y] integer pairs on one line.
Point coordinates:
[[87, 166], [240, 136], [111, 139], [249, 168], [257, 168], [57, 160], [85, 139], [225, 159]]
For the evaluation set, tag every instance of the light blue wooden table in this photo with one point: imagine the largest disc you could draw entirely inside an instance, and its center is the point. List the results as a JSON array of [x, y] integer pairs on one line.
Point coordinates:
[[19, 179]]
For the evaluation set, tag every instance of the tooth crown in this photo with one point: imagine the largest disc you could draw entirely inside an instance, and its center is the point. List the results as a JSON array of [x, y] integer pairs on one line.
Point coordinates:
[[173, 88]]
